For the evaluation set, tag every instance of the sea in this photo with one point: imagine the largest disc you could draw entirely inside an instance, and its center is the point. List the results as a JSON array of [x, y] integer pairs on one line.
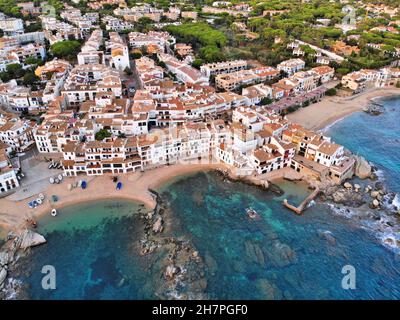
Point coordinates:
[[93, 247]]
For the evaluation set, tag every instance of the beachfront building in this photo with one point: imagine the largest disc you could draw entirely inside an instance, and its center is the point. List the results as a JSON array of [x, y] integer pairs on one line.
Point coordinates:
[[358, 80], [213, 69], [8, 177], [234, 80]]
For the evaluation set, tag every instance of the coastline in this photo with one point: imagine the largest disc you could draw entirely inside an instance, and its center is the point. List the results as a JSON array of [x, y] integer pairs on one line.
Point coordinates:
[[330, 110], [13, 214]]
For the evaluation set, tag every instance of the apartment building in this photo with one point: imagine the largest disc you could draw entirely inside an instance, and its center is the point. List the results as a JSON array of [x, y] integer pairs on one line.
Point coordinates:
[[256, 93], [11, 26], [234, 80], [184, 72], [8, 177], [213, 69], [158, 39], [53, 73], [116, 24], [183, 49], [291, 66], [90, 53], [17, 134], [84, 81]]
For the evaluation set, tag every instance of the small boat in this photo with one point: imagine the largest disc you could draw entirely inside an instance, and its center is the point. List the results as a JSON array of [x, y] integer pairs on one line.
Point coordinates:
[[54, 198], [51, 180], [60, 177], [41, 196], [56, 180], [119, 185], [53, 212], [51, 165], [252, 213], [84, 184], [39, 201], [30, 204]]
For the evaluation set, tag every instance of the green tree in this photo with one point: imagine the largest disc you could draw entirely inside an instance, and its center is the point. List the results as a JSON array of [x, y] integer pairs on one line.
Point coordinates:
[[66, 49], [30, 78], [102, 134]]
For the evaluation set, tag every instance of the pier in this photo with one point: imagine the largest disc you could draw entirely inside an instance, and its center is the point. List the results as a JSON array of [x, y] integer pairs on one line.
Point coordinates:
[[298, 210]]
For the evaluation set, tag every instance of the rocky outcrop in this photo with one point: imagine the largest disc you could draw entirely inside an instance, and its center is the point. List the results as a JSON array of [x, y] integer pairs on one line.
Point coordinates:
[[363, 169], [31, 239], [15, 242], [158, 225], [3, 276]]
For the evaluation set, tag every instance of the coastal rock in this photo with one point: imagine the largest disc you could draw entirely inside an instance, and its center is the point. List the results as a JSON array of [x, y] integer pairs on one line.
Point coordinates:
[[170, 271], [339, 196], [374, 194], [347, 185], [375, 203], [31, 239], [3, 276], [357, 187], [363, 169], [158, 225]]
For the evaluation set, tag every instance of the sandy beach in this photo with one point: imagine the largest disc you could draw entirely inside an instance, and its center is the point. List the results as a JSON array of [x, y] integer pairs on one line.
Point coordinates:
[[14, 214], [331, 109]]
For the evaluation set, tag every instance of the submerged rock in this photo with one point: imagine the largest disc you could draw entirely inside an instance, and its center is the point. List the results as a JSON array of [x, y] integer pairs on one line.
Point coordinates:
[[268, 291]]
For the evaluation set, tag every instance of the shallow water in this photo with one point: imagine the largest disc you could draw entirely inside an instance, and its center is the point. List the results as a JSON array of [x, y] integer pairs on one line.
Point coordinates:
[[91, 246]]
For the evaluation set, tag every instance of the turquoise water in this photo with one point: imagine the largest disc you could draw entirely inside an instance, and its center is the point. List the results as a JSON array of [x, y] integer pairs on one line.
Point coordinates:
[[282, 255], [279, 256], [92, 247], [377, 138]]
